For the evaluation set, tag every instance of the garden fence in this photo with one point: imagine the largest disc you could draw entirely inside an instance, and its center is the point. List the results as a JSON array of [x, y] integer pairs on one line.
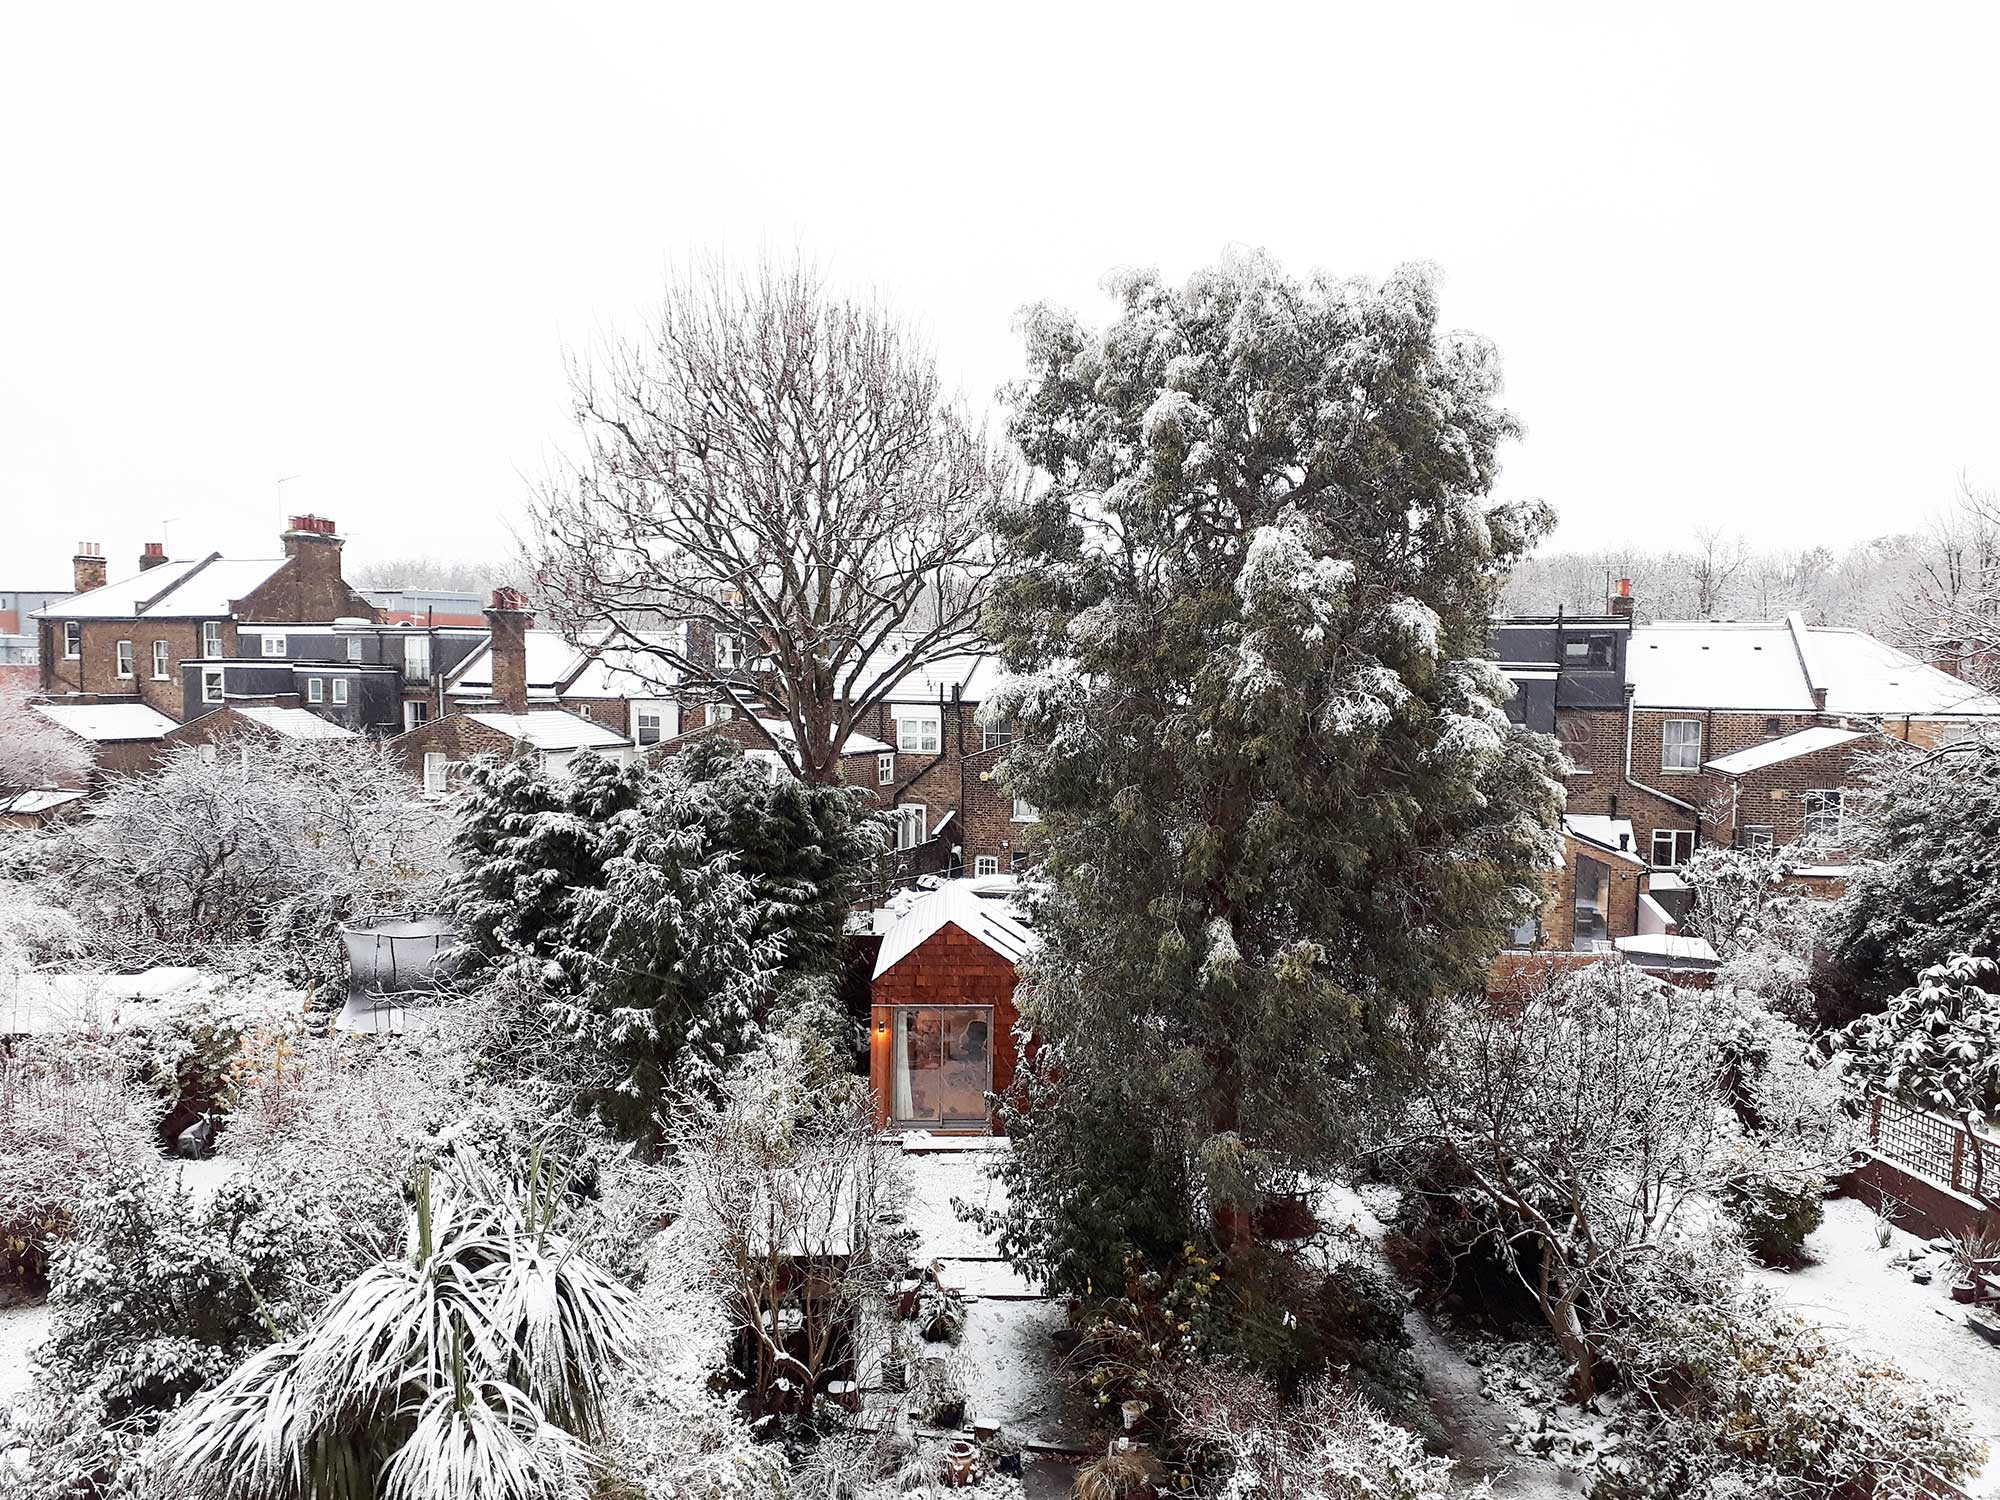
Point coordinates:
[[1934, 1146]]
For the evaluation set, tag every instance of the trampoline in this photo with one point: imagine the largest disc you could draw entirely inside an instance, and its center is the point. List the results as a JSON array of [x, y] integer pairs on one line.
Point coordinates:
[[392, 959]]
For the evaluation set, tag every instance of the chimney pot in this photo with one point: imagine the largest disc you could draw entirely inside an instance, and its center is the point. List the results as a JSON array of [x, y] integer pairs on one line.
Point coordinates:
[[153, 556], [1621, 601]]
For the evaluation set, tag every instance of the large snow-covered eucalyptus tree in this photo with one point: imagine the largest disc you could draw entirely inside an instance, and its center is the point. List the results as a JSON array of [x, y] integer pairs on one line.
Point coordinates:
[[1281, 805], [777, 474]]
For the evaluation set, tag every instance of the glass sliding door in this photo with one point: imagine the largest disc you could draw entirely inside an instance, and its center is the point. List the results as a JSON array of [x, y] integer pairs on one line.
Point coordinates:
[[1593, 906], [943, 1065]]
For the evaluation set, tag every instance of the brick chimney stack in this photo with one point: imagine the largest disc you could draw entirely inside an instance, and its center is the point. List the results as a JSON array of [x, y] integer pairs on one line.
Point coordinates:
[[87, 567], [318, 592], [153, 556], [510, 622], [1622, 602]]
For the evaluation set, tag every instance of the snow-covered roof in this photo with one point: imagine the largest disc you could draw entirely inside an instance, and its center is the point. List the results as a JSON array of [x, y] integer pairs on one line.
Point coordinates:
[[1868, 677], [1692, 952], [621, 672], [551, 729], [38, 800], [984, 909], [107, 723], [1773, 666], [1786, 747], [1731, 666], [197, 588], [854, 744], [1612, 835], [53, 1004], [552, 660], [972, 673], [295, 723]]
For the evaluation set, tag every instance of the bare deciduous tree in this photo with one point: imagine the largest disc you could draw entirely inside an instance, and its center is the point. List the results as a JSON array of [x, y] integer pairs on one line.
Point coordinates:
[[775, 474], [33, 751]]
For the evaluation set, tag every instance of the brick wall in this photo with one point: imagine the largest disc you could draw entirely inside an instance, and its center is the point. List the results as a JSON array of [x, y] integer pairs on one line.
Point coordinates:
[[1773, 796], [95, 670], [950, 967], [308, 587], [1559, 911], [455, 737]]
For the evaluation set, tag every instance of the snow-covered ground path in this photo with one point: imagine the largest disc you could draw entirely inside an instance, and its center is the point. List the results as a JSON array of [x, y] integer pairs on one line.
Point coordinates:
[[1851, 1287]]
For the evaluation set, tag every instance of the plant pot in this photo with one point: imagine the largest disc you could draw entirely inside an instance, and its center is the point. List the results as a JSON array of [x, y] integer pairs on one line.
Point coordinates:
[[961, 1462], [1132, 1411], [1964, 1291]]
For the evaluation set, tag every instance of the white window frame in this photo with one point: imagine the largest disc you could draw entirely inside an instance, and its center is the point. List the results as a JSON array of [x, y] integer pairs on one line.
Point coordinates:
[[1670, 754], [72, 639], [1677, 840], [417, 658], [340, 690], [212, 684], [211, 638], [728, 651], [985, 864], [640, 729], [1816, 816], [354, 648], [1024, 811], [913, 825], [315, 690], [993, 739], [274, 643], [416, 714], [885, 768], [436, 769], [919, 728], [1759, 836], [160, 662], [127, 664]]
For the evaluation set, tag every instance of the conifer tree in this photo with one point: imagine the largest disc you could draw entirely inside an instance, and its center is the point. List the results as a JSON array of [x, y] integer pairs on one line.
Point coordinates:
[[1281, 805]]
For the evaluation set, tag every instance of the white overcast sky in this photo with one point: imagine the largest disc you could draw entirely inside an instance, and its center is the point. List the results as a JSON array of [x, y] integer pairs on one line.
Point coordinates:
[[1739, 259]]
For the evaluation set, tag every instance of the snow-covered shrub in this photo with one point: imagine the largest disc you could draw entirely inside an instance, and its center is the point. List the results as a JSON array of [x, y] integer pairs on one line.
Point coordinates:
[[1766, 929], [70, 1119], [1922, 888], [1938, 1042], [1754, 1400], [155, 1295], [196, 858], [1327, 1445]]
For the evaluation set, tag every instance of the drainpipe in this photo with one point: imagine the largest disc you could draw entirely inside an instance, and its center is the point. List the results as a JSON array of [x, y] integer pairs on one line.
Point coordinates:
[[1631, 781]]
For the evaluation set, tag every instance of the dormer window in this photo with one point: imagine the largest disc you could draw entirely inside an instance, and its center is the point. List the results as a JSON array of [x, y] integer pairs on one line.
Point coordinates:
[[211, 684], [211, 638], [274, 644]]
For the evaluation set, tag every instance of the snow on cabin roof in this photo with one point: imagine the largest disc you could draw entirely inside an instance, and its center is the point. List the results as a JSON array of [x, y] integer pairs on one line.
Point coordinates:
[[107, 723], [295, 723], [38, 800], [551, 729], [854, 744], [972, 673], [976, 907], [1612, 835], [552, 661], [1787, 747], [199, 588], [1648, 948], [1865, 676], [1718, 666]]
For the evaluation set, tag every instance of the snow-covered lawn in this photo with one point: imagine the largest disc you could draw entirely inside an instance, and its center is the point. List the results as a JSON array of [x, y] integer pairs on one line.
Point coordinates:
[[22, 1326], [1852, 1286]]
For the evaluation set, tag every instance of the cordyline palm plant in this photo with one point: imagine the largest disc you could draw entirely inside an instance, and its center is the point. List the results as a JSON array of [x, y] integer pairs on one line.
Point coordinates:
[[471, 1369]]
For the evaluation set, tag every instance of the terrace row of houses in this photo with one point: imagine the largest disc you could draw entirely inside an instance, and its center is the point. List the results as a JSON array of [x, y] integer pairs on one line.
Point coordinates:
[[195, 651], [1677, 735], [1745, 735]]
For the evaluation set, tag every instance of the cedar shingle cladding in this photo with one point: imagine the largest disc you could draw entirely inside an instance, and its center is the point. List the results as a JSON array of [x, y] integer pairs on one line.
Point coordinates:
[[950, 967]]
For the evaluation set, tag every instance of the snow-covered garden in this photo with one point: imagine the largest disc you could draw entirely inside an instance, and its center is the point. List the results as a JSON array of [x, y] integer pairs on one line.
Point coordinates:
[[1288, 1205]]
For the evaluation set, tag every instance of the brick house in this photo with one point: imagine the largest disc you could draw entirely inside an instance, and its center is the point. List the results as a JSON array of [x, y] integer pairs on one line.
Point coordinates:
[[134, 640], [942, 1017], [237, 722], [1744, 734]]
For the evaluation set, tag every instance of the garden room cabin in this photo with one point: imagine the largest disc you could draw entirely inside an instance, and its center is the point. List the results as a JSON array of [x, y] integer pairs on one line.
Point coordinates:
[[942, 1008]]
